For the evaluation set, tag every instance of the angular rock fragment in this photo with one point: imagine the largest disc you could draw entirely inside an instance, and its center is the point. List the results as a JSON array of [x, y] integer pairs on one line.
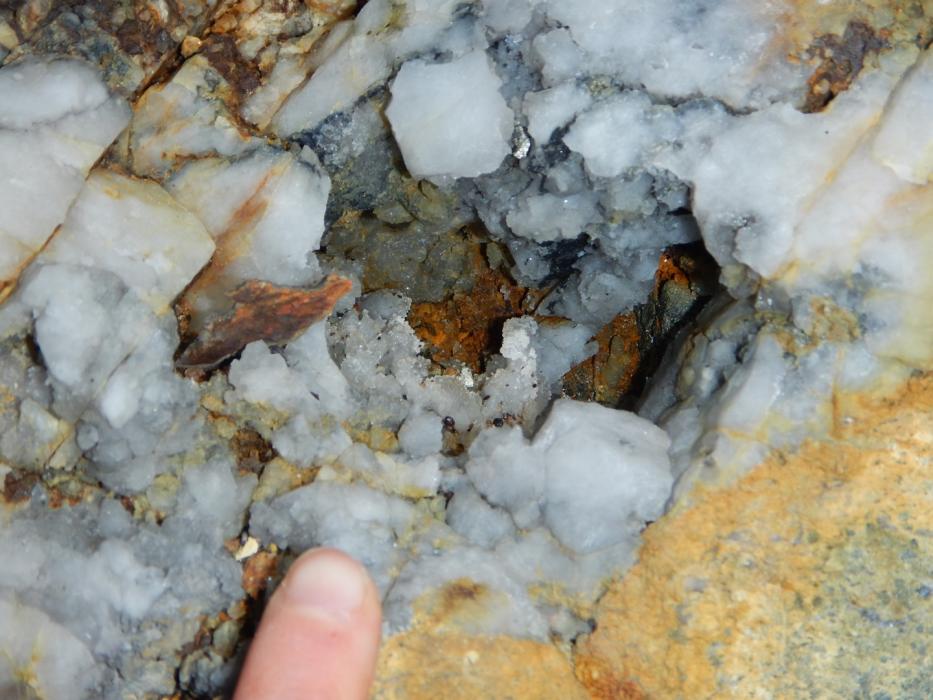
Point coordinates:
[[266, 49], [262, 311], [265, 212]]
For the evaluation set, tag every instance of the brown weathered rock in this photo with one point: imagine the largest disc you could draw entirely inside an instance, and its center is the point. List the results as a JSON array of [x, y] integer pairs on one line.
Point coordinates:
[[807, 578], [262, 311], [465, 328], [131, 42], [841, 61], [258, 570], [633, 343], [461, 667]]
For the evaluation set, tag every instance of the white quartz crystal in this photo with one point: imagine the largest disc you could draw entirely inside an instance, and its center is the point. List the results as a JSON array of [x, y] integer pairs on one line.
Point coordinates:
[[289, 73], [620, 133], [36, 646], [513, 389], [135, 230], [449, 118], [472, 516], [547, 217], [508, 473], [265, 212], [508, 16], [363, 522], [352, 69], [726, 49], [560, 347], [553, 108], [307, 389], [421, 434], [905, 143], [105, 585], [56, 119], [558, 55], [86, 323], [365, 57], [594, 474], [268, 201]]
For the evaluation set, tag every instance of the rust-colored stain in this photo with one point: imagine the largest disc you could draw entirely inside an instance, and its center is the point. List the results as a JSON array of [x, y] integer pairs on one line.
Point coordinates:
[[609, 374], [69, 494], [17, 486], [459, 596], [631, 344], [258, 571], [838, 39], [221, 50], [336, 9], [466, 328], [604, 684], [841, 60], [251, 450], [262, 311], [60, 488], [7, 287], [676, 268], [137, 36], [214, 281], [420, 665]]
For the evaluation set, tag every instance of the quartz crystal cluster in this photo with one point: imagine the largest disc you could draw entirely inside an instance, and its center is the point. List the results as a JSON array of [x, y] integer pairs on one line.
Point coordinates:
[[316, 197]]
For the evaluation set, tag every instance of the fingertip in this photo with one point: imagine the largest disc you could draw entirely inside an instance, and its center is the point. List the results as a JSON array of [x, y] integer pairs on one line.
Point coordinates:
[[326, 582], [319, 635]]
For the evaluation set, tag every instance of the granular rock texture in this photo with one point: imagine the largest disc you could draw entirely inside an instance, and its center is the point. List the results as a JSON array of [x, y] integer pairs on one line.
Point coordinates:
[[810, 577]]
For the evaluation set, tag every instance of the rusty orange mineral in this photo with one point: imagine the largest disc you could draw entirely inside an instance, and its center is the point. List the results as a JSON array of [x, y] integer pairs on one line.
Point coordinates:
[[262, 311]]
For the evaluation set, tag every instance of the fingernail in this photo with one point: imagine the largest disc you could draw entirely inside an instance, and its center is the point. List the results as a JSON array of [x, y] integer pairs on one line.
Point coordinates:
[[326, 583]]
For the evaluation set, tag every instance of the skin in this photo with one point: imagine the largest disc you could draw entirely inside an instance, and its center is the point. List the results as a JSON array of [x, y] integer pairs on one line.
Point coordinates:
[[319, 634]]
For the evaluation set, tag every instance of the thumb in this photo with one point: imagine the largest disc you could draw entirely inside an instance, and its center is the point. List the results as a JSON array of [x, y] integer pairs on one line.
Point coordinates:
[[319, 634]]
